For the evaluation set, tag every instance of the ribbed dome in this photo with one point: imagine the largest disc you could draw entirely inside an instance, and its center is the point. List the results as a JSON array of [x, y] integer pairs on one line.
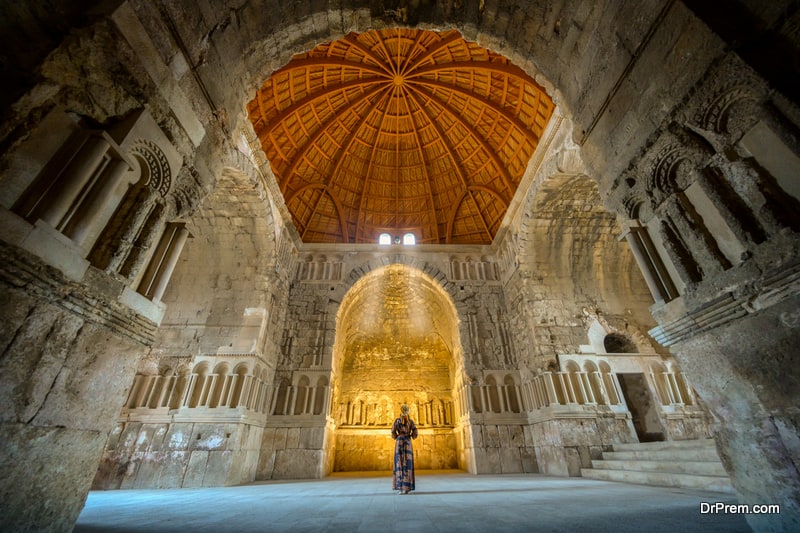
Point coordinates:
[[399, 130]]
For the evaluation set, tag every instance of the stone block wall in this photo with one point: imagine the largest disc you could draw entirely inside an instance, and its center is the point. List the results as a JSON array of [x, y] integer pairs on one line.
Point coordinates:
[[292, 452], [567, 273], [486, 344], [373, 450], [180, 454], [64, 373], [223, 288], [502, 449], [694, 424], [564, 445]]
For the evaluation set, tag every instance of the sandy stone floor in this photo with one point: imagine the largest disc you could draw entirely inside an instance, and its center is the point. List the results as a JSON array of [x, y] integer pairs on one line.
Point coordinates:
[[444, 501]]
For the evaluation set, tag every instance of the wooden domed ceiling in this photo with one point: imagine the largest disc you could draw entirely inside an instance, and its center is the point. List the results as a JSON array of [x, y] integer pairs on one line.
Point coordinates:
[[396, 131]]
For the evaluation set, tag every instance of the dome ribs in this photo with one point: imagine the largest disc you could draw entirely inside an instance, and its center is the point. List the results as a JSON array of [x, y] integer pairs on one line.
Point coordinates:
[[428, 179], [296, 160], [353, 40], [489, 150], [360, 214], [399, 130]]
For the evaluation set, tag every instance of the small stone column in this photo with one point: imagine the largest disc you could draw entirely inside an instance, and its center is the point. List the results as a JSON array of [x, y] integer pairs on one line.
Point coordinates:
[[676, 390], [137, 383], [552, 396], [667, 388], [169, 389], [163, 261], [229, 400], [135, 224], [701, 245], [99, 206], [75, 177], [190, 385], [586, 387], [652, 267], [566, 385], [598, 377], [618, 390]]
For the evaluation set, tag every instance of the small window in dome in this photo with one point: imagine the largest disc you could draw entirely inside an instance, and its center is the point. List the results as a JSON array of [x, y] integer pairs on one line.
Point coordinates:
[[385, 238], [409, 238]]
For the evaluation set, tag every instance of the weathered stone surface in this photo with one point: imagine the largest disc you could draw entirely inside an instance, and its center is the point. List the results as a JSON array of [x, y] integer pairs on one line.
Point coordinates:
[[163, 455], [552, 460], [218, 468], [528, 460], [196, 469], [59, 466], [297, 464], [172, 470], [510, 461], [759, 426], [573, 460]]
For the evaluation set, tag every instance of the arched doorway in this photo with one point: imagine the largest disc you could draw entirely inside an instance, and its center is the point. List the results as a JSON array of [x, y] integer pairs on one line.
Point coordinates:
[[397, 342]]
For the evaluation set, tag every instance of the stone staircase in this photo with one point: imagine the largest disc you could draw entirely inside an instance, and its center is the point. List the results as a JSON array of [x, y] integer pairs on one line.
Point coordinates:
[[686, 464]]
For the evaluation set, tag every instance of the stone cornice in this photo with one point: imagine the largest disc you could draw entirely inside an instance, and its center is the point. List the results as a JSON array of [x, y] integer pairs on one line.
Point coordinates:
[[679, 323], [22, 270]]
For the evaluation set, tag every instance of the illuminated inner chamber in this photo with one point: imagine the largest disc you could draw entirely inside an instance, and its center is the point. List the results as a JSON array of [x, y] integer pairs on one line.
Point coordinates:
[[397, 341]]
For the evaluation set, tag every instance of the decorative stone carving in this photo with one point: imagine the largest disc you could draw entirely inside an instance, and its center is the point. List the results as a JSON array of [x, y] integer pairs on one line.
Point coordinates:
[[155, 167]]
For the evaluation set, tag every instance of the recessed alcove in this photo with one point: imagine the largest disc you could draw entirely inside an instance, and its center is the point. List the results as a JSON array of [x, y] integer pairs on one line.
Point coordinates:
[[396, 342]]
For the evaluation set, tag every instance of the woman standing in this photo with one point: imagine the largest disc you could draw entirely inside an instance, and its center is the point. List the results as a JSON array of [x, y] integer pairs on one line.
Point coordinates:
[[403, 430]]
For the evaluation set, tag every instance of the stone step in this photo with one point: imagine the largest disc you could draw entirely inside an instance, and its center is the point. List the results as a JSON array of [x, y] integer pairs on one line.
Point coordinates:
[[666, 445], [701, 468], [686, 454], [661, 479]]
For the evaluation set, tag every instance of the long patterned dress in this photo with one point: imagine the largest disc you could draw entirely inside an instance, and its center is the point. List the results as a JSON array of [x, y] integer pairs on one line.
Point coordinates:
[[402, 433]]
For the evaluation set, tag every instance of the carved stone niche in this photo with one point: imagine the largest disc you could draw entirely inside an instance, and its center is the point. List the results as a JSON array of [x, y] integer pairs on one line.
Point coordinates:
[[140, 136], [67, 203]]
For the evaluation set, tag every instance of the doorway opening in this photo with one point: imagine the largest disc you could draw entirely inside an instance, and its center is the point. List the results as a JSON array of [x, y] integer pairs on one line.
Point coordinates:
[[643, 409]]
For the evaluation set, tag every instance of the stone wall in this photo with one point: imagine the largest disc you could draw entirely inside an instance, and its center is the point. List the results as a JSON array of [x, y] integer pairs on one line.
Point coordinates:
[[223, 307], [502, 449], [293, 452], [151, 455], [711, 208], [737, 378], [314, 328], [61, 385], [566, 274], [582, 439]]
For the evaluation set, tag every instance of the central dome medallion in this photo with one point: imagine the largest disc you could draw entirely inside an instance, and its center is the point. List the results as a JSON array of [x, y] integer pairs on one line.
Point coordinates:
[[399, 131]]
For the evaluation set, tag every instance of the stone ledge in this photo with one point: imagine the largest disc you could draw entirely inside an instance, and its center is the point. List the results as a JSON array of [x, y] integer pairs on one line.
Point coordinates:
[[49, 245], [571, 412], [21, 269], [682, 324], [150, 309], [296, 421]]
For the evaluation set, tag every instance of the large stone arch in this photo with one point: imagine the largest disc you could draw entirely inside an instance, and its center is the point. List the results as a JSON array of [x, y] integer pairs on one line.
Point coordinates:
[[357, 272], [572, 260], [570, 235], [426, 268]]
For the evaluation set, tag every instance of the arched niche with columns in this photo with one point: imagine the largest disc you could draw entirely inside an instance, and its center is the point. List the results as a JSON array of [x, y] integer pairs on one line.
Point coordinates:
[[397, 342]]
